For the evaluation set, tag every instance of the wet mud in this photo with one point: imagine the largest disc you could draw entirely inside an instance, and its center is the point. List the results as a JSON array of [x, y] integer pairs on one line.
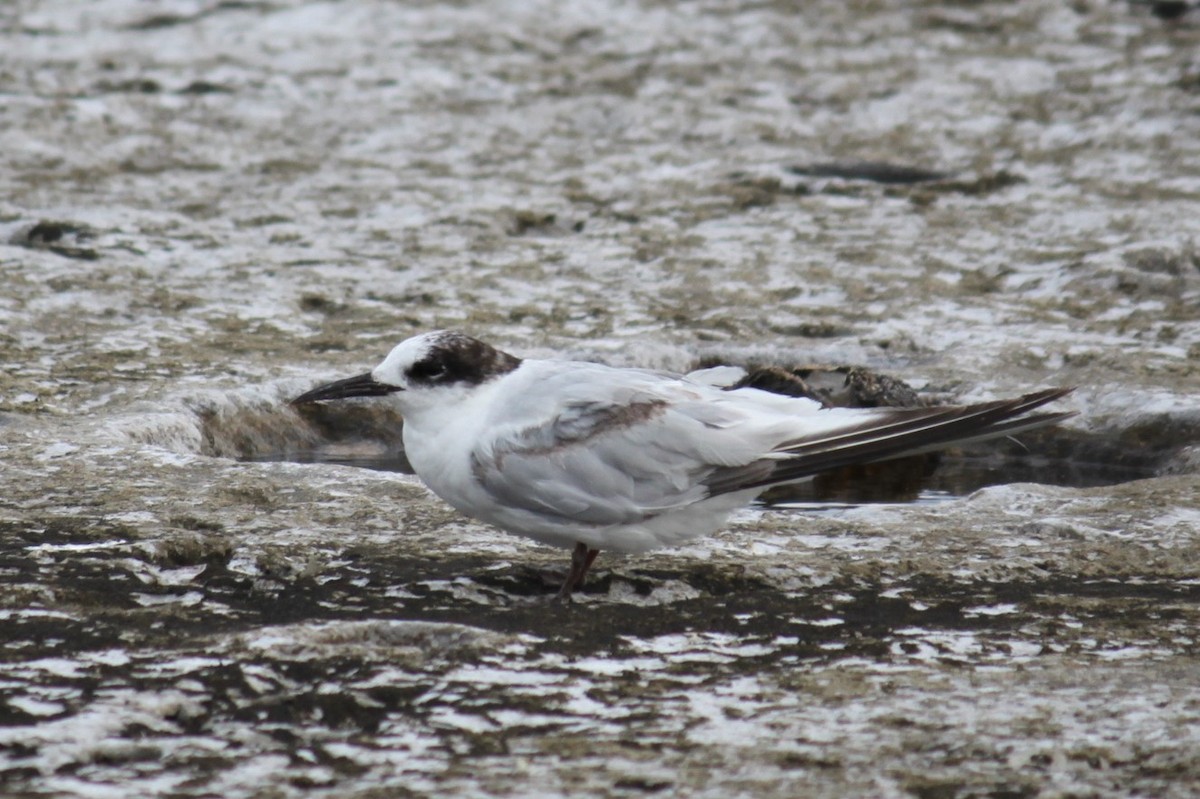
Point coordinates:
[[208, 208]]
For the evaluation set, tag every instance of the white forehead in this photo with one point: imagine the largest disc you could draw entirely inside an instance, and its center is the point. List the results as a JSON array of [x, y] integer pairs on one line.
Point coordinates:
[[408, 352]]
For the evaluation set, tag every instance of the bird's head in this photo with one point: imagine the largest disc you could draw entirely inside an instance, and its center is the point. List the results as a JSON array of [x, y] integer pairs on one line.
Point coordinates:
[[422, 370]]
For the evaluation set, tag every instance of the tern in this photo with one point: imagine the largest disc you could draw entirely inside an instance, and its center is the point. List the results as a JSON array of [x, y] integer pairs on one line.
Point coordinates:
[[588, 457]]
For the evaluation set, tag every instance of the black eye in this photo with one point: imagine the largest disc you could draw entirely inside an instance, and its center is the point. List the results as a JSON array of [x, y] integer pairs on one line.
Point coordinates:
[[427, 371]]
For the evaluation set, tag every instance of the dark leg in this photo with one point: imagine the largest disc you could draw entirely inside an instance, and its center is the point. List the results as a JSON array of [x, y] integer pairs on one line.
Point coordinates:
[[587, 564], [581, 561]]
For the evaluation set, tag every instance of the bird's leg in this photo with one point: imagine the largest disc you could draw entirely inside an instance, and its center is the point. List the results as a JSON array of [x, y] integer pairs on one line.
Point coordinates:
[[581, 561], [587, 564]]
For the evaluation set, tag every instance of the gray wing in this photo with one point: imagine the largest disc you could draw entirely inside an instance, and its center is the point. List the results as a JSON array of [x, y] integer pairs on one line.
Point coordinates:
[[616, 463], [605, 463]]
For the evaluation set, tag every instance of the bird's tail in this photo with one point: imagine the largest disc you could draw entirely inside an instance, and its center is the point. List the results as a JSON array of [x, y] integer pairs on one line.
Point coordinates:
[[906, 431]]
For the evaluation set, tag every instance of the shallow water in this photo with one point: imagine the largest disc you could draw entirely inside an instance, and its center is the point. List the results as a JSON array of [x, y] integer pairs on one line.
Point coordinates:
[[206, 209]]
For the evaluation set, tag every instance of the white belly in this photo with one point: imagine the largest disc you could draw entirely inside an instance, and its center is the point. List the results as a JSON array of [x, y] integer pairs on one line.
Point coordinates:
[[447, 471]]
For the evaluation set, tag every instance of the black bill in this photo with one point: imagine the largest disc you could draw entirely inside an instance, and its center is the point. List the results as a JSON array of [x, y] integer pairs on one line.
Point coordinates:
[[358, 386]]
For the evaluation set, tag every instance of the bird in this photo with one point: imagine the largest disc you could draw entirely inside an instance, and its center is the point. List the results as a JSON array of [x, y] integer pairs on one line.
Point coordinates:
[[585, 456]]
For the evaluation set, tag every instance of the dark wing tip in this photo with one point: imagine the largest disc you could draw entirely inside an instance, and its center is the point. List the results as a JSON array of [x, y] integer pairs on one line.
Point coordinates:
[[1036, 398], [904, 431]]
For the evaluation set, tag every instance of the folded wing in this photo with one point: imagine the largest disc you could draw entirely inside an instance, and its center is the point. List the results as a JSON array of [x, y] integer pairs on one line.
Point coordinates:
[[654, 449], [604, 463]]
